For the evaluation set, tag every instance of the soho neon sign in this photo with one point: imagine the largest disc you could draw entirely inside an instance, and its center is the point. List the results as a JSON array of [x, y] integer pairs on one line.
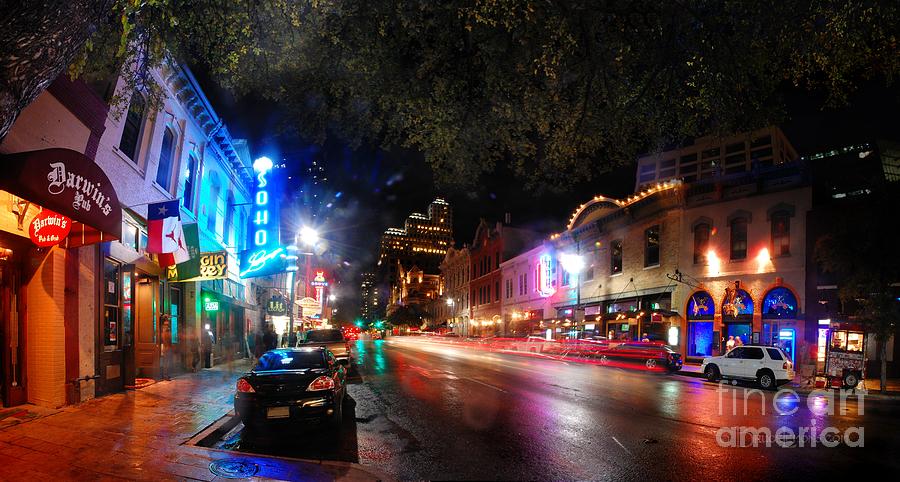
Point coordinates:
[[264, 251], [545, 276]]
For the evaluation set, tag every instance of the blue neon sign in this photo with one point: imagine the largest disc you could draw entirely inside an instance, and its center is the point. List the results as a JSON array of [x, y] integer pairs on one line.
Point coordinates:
[[264, 255]]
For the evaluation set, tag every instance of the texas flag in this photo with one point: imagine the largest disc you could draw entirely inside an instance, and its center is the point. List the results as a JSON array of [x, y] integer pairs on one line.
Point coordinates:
[[165, 235]]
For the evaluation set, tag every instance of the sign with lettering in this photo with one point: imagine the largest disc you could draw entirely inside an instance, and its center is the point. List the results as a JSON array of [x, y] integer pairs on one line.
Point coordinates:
[[265, 255], [69, 183], [211, 305], [208, 266], [545, 275], [49, 228], [276, 306], [311, 307]]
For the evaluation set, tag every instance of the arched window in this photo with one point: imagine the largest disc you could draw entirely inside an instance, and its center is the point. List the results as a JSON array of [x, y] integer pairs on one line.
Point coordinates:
[[701, 242], [229, 219], [700, 306], [780, 303], [131, 131], [738, 304], [166, 154], [212, 202], [739, 238], [190, 181]]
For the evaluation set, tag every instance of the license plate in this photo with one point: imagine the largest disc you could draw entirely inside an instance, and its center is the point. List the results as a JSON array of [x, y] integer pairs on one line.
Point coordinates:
[[278, 412]]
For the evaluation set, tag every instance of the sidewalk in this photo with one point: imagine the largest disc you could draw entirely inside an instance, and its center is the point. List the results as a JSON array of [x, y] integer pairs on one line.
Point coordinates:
[[873, 386], [138, 435]]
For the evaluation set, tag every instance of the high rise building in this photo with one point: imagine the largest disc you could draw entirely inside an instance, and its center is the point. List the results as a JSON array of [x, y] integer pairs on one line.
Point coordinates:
[[368, 297], [422, 242]]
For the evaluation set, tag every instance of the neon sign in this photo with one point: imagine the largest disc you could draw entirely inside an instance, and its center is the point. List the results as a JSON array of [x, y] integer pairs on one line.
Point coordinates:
[[264, 255], [545, 276]]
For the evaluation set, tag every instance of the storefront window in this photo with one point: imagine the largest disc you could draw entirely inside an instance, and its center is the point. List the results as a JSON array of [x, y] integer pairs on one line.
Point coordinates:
[[700, 306], [111, 302], [779, 303], [700, 338], [737, 304], [126, 307]]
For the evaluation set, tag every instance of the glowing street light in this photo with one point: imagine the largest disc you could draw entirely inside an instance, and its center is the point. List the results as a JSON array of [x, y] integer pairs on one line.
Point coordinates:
[[572, 263], [263, 164], [309, 236], [332, 297]]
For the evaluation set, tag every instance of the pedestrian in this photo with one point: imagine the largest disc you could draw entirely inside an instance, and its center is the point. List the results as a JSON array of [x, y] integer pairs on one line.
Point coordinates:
[[259, 343], [738, 341], [165, 347], [645, 338], [292, 338], [270, 339], [193, 343], [730, 344], [207, 340]]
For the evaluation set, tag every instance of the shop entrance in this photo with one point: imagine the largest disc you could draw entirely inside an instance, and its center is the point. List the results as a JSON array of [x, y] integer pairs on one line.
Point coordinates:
[[12, 333], [743, 330], [146, 346], [700, 338]]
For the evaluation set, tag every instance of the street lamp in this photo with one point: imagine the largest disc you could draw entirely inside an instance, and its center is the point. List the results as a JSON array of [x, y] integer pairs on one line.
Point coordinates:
[[573, 263], [308, 237]]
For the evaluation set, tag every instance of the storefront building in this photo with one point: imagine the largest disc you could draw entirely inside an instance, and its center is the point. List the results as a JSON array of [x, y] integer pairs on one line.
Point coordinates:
[[629, 247], [747, 266], [98, 293]]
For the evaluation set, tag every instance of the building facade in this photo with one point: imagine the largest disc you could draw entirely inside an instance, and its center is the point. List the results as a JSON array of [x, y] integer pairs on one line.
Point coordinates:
[[456, 271], [492, 245], [98, 293], [369, 297]]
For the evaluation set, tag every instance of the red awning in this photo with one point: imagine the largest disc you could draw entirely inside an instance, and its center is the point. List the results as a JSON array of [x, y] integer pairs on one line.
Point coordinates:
[[71, 184]]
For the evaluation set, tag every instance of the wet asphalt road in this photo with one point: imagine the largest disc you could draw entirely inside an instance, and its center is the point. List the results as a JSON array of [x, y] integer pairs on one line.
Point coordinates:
[[422, 410]]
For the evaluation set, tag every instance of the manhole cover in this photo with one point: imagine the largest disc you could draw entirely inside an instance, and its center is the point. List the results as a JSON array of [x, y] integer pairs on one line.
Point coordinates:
[[233, 469]]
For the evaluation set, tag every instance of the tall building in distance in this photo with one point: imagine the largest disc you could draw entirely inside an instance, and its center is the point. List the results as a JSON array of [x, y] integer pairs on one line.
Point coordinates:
[[368, 309], [422, 242]]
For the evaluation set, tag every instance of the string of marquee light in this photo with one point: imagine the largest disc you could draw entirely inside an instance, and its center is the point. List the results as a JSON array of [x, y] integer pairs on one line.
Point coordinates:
[[659, 187]]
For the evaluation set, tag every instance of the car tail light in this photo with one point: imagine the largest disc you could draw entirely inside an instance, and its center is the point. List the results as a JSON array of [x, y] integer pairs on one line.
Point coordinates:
[[244, 386], [321, 383], [786, 365]]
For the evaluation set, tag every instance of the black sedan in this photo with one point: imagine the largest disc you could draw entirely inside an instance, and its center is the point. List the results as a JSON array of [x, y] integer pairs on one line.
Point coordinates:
[[292, 385]]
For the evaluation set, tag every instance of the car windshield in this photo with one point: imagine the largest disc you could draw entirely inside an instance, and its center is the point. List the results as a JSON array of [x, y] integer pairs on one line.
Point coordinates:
[[324, 335], [290, 360]]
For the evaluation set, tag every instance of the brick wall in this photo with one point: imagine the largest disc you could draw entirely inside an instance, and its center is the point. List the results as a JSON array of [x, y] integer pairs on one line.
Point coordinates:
[[46, 332]]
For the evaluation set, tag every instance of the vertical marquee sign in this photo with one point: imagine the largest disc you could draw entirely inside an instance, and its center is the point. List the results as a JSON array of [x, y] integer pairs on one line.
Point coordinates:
[[264, 254], [545, 275]]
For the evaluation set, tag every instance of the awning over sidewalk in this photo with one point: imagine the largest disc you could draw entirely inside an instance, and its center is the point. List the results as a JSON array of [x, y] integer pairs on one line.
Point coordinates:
[[71, 184]]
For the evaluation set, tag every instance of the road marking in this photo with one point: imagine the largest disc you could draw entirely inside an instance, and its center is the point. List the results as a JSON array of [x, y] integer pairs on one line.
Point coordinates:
[[620, 445], [485, 384]]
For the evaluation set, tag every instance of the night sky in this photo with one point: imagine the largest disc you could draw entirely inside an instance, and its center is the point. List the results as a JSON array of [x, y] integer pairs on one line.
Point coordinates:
[[369, 190]]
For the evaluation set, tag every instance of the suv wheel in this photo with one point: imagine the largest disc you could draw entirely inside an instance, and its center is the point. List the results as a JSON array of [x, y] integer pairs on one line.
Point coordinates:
[[851, 380], [712, 373], [604, 360], [766, 380]]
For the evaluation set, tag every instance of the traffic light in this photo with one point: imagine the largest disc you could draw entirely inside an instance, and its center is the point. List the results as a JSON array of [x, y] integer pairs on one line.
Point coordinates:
[[359, 323], [379, 324]]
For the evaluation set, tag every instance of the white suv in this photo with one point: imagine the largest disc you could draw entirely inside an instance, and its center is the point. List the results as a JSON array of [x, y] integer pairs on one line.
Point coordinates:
[[766, 365]]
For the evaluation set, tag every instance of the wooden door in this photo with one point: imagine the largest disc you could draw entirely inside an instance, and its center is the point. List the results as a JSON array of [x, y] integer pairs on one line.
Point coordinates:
[[146, 346]]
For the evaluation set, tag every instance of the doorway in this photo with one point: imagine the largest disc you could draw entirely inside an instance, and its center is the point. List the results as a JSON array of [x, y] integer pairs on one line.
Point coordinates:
[[12, 333], [146, 346], [743, 330]]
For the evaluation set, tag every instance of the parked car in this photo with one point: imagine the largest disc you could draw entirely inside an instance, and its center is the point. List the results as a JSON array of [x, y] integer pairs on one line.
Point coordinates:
[[766, 365], [292, 385], [332, 339], [652, 356]]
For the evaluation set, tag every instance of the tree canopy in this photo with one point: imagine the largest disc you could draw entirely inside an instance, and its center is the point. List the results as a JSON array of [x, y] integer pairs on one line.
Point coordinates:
[[552, 90]]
